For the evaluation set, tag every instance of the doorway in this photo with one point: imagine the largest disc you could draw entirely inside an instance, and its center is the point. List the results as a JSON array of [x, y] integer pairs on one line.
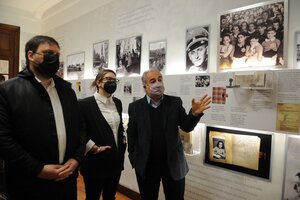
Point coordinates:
[[9, 50]]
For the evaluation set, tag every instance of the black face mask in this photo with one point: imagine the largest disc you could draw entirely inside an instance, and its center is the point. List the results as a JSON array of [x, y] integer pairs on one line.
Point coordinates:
[[110, 87], [50, 65]]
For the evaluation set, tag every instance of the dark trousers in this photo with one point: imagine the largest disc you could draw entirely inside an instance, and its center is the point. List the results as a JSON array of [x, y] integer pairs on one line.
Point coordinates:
[[94, 187], [44, 190], [149, 185]]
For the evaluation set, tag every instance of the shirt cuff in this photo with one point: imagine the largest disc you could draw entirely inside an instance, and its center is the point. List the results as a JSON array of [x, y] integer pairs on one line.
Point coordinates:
[[88, 146]]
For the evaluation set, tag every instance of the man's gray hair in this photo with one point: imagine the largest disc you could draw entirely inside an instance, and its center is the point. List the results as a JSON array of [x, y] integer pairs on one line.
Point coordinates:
[[145, 74]]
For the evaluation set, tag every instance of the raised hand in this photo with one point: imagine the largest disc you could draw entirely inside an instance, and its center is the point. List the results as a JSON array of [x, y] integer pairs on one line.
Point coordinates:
[[199, 106]]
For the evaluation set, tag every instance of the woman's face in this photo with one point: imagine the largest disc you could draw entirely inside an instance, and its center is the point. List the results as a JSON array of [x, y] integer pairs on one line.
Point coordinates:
[[220, 145], [235, 29], [226, 40]]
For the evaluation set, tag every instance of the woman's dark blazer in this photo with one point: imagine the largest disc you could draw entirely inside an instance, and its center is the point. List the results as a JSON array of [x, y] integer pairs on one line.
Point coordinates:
[[109, 162]]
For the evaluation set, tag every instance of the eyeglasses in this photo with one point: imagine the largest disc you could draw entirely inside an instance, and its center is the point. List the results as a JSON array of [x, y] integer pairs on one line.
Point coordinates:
[[110, 79], [47, 52]]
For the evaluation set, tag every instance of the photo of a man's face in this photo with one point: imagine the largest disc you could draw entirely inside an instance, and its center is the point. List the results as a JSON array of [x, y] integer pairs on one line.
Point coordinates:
[[197, 49], [197, 55]]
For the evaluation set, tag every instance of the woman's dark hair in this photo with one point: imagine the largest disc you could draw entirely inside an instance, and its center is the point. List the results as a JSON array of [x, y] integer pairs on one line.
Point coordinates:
[[100, 76], [33, 44], [219, 143]]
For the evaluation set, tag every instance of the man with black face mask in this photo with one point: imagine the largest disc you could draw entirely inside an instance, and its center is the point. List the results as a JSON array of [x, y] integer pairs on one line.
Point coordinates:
[[102, 119], [154, 146], [40, 137]]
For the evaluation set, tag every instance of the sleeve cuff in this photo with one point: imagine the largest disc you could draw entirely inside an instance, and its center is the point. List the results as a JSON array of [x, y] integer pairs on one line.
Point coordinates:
[[88, 146]]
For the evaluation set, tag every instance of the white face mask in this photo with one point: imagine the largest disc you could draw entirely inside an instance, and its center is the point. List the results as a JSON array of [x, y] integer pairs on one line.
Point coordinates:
[[157, 89]]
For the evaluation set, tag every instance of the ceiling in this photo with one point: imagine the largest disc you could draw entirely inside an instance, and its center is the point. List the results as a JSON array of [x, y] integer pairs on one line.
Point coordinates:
[[35, 8]]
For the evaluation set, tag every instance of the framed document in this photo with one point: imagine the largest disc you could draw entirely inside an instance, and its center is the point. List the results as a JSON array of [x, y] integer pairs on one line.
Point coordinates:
[[237, 150]]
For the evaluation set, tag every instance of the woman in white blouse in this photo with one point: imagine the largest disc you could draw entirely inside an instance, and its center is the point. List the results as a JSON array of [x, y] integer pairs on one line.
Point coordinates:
[[106, 144]]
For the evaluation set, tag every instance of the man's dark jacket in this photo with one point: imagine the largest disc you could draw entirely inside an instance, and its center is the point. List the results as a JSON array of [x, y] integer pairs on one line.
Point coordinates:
[[139, 134], [28, 138]]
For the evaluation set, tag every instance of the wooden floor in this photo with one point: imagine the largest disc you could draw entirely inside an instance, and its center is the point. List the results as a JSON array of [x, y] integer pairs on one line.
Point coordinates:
[[81, 192]]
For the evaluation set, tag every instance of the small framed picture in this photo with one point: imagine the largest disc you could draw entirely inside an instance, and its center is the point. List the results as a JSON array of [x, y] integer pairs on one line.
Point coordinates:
[[75, 66], [128, 56], [157, 55], [100, 56]]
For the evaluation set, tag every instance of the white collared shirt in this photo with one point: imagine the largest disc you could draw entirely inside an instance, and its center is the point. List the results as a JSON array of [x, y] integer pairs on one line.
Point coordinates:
[[109, 111], [153, 103], [59, 119]]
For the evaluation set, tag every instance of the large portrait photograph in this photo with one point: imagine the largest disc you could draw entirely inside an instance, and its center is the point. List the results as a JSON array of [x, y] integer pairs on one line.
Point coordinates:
[[197, 40], [128, 56], [253, 37], [238, 150], [75, 66], [100, 56], [157, 55], [291, 186]]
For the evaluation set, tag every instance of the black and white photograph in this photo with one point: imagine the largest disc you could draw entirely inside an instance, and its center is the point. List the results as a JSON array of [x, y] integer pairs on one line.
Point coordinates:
[[197, 40], [128, 56], [253, 37], [157, 55], [75, 66], [291, 186], [297, 50], [202, 81], [100, 56], [127, 88], [219, 151]]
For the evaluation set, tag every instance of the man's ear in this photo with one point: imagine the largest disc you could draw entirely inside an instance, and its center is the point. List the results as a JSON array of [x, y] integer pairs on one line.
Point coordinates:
[[30, 55]]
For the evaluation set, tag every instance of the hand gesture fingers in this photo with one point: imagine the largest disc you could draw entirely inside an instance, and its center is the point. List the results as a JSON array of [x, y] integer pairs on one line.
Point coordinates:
[[199, 106], [102, 148]]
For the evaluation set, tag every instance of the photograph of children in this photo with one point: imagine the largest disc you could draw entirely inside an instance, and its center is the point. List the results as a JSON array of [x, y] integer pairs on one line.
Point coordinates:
[[253, 36], [291, 187], [219, 151], [157, 55], [100, 56], [128, 56], [197, 40], [202, 81], [75, 66]]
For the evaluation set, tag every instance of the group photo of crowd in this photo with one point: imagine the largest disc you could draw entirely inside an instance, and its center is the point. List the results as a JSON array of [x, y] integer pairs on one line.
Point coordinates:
[[252, 37]]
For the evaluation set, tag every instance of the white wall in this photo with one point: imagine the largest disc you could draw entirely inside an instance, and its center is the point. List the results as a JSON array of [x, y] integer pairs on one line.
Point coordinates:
[[157, 20], [80, 25], [154, 20]]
